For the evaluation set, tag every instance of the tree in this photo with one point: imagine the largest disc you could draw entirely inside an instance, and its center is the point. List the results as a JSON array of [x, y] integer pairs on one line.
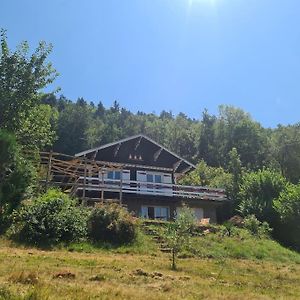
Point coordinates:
[[205, 175], [258, 192], [206, 146], [179, 232], [236, 129], [38, 129], [235, 168], [182, 135], [22, 77], [73, 123], [286, 149], [288, 207], [16, 174]]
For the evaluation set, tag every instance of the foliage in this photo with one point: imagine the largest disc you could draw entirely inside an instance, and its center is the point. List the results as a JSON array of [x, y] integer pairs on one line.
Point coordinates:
[[22, 77], [49, 219], [205, 175], [38, 129], [257, 228], [179, 232], [111, 223], [288, 207], [258, 192], [235, 169], [16, 175], [286, 149], [230, 139], [228, 228]]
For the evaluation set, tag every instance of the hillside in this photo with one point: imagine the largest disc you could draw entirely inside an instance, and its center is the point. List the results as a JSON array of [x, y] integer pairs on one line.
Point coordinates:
[[219, 268]]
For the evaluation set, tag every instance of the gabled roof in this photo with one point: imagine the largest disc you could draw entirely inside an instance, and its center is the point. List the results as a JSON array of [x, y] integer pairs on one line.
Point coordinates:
[[155, 154]]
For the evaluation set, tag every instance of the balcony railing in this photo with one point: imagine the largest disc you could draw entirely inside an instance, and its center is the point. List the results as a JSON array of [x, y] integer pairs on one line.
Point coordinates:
[[148, 188]]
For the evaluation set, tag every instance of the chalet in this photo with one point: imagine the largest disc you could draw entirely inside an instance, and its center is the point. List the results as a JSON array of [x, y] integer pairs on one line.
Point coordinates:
[[143, 176]]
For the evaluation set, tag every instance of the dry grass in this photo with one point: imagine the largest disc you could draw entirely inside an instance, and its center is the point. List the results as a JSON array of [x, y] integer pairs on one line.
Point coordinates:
[[35, 274]]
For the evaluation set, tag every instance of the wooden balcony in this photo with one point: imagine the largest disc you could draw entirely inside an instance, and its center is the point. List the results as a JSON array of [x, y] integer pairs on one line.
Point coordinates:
[[147, 188]]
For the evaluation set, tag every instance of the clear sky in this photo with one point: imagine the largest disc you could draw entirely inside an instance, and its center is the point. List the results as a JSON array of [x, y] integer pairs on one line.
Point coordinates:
[[178, 55]]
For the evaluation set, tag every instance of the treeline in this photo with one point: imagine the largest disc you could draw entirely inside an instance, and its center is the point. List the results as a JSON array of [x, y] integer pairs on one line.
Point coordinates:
[[82, 125]]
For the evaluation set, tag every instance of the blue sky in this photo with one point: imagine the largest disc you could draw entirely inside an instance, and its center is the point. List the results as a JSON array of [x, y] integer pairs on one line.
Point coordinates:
[[178, 55]]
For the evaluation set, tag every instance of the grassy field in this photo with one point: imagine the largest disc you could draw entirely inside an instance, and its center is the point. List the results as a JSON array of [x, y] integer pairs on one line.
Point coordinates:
[[217, 268]]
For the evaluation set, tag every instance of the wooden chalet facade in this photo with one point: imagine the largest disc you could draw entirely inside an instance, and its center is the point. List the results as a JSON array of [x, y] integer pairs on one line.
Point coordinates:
[[143, 177]]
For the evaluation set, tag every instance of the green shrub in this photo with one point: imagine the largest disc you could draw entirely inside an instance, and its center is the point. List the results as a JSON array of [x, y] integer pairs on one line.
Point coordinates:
[[111, 223], [228, 229], [288, 207], [50, 219], [258, 192], [257, 228]]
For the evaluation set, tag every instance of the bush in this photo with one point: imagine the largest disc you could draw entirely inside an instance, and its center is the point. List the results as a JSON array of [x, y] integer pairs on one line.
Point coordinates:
[[288, 207], [50, 219], [228, 228], [257, 228], [258, 192], [111, 223]]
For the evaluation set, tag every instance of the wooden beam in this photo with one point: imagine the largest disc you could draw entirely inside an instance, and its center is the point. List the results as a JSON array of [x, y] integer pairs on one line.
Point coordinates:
[[121, 186], [157, 154], [138, 143], [176, 165], [48, 170], [186, 170], [84, 181], [117, 149], [94, 155]]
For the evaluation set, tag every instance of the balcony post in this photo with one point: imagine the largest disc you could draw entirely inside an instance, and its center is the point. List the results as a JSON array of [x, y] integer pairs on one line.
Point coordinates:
[[121, 185], [84, 181], [102, 190]]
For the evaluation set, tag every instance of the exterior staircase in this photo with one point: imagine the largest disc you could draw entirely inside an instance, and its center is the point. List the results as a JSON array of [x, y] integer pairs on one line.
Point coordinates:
[[153, 229]]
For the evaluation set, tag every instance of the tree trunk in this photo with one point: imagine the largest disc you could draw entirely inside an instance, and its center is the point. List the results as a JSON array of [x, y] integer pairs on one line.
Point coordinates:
[[173, 260]]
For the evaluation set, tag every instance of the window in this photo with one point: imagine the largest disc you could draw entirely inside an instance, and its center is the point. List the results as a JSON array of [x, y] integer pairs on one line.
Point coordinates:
[[154, 178], [155, 212], [158, 178], [114, 175], [162, 213], [149, 178], [145, 212]]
